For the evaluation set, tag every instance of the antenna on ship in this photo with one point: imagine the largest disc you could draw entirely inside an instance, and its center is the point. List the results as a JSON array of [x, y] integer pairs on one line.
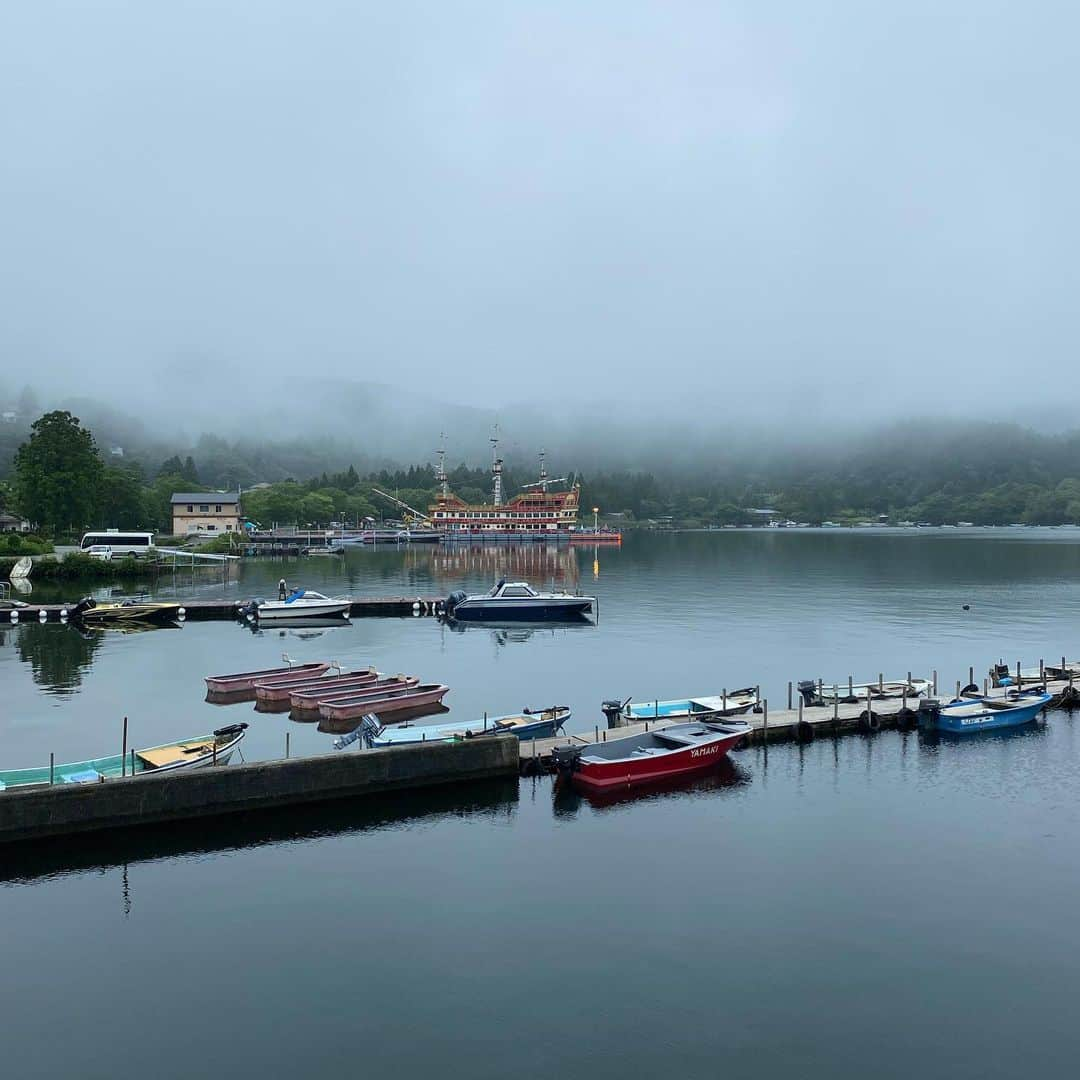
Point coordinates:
[[543, 483], [440, 468], [496, 469]]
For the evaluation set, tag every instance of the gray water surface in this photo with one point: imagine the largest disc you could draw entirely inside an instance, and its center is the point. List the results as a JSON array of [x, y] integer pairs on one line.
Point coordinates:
[[885, 905]]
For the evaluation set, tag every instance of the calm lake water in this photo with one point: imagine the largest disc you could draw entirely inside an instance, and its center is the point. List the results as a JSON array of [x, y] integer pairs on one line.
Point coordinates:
[[883, 905]]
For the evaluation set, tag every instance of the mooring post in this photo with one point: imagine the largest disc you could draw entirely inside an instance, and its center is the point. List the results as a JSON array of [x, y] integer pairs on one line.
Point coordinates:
[[957, 689], [656, 709], [51, 766], [724, 700], [123, 753], [789, 696], [1018, 682], [850, 687], [605, 734], [132, 761], [286, 744], [765, 720], [986, 687], [596, 733], [1042, 671], [971, 675], [757, 692], [868, 709], [800, 708], [935, 682], [485, 719], [836, 706], [881, 682], [819, 689]]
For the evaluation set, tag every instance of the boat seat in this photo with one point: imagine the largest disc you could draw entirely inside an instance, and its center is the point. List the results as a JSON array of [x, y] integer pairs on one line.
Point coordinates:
[[84, 776], [588, 759], [166, 755]]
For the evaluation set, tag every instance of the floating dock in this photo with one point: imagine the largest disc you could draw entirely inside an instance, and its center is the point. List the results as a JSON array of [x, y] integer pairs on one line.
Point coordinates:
[[226, 608], [800, 724], [144, 799]]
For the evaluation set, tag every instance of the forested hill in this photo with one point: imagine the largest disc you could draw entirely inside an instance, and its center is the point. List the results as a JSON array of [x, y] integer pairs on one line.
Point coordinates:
[[986, 473]]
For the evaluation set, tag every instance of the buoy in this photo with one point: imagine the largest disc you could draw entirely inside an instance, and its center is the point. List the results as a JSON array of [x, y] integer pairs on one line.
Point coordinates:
[[182, 612], [967, 607], [869, 721], [14, 616], [416, 605], [63, 613], [42, 615]]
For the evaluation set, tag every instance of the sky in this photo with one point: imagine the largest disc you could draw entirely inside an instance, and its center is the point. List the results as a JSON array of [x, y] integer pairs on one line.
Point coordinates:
[[806, 212]]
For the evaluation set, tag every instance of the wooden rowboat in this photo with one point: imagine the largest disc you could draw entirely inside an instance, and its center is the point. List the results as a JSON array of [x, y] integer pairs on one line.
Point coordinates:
[[245, 680], [310, 700], [529, 724], [279, 687], [382, 700], [213, 749]]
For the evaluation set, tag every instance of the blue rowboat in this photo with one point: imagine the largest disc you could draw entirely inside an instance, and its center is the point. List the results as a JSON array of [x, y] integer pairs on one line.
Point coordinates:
[[213, 749], [734, 703], [528, 724], [989, 714]]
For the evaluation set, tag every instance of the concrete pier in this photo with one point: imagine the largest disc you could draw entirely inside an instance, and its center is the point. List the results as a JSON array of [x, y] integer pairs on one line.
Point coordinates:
[[226, 789]]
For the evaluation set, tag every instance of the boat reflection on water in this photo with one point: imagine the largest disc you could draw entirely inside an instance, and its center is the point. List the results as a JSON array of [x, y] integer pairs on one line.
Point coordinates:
[[23, 863], [726, 777], [305, 629], [347, 727], [135, 626], [512, 633]]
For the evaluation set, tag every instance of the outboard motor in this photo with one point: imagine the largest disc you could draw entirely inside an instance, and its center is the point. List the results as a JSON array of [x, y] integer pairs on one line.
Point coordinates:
[[566, 758], [929, 711], [808, 689], [453, 600], [613, 710], [85, 604], [229, 731]]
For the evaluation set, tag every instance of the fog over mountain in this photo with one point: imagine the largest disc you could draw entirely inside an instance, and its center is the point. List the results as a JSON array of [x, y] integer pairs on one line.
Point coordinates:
[[570, 218]]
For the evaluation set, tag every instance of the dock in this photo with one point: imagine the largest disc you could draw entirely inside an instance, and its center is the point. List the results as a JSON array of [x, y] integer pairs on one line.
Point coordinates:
[[802, 724], [146, 799], [229, 608]]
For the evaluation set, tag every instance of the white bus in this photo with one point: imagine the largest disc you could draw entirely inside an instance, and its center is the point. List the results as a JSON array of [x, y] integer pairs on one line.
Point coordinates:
[[122, 543]]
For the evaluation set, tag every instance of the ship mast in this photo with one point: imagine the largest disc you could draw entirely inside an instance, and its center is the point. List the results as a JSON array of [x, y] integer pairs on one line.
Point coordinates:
[[440, 468], [543, 474], [496, 469]]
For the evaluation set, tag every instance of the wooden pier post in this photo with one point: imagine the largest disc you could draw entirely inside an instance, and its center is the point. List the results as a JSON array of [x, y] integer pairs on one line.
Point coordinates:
[[123, 753], [957, 689], [723, 700], [971, 675], [133, 761], [881, 682], [1042, 671], [287, 744], [51, 768], [986, 687], [765, 721], [935, 682], [1018, 682], [789, 695], [850, 687]]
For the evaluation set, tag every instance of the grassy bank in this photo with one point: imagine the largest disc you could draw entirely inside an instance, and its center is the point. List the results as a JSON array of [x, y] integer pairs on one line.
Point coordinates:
[[79, 566]]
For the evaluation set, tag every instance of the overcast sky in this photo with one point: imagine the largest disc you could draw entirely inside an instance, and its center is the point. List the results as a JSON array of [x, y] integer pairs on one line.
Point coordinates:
[[865, 206]]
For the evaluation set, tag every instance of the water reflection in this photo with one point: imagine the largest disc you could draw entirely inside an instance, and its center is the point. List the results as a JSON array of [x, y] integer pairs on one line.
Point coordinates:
[[304, 629], [543, 565], [59, 656], [727, 776], [512, 633], [33, 860]]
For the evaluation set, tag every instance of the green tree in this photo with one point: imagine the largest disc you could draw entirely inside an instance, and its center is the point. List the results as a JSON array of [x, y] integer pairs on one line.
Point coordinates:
[[123, 505], [58, 473]]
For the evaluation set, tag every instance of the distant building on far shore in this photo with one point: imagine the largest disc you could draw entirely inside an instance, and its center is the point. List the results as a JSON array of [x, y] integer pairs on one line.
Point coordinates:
[[13, 523], [205, 511]]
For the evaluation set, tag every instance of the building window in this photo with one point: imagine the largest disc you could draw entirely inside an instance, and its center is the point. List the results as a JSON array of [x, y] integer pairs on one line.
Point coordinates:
[[190, 508], [204, 508], [211, 528], [217, 509]]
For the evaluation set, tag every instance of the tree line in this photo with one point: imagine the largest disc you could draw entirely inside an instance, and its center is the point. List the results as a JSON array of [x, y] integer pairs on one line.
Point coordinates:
[[940, 474]]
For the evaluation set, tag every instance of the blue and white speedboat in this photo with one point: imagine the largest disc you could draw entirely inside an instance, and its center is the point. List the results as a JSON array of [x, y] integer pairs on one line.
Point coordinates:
[[528, 724], [987, 713], [510, 600]]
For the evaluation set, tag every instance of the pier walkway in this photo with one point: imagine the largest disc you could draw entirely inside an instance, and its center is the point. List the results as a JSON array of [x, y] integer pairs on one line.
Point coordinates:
[[803, 723]]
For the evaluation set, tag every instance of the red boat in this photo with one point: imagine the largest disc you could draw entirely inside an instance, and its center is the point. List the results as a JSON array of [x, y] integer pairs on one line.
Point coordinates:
[[310, 700], [245, 680], [650, 755], [280, 687], [381, 700]]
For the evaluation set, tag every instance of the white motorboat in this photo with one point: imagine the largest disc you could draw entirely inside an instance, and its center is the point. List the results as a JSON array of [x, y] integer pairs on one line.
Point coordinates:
[[516, 600], [301, 604]]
